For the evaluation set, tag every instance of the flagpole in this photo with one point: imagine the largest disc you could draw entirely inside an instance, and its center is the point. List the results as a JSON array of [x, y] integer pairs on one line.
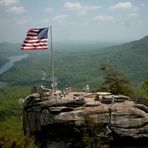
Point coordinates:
[[52, 62]]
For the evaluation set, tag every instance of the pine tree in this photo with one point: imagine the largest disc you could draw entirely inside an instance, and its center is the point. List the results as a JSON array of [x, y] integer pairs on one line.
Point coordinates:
[[114, 82]]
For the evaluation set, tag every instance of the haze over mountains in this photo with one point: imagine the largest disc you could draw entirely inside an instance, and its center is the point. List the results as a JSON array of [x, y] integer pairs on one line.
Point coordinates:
[[131, 58], [77, 64]]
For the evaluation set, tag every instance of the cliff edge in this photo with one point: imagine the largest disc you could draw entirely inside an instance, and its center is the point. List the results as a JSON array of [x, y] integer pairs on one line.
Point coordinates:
[[57, 121]]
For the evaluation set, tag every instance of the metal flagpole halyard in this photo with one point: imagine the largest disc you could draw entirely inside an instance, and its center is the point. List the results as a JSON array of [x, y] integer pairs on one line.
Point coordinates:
[[52, 61]]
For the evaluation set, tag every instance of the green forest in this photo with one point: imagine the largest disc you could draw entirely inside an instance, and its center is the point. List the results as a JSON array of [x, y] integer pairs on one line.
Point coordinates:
[[75, 65]]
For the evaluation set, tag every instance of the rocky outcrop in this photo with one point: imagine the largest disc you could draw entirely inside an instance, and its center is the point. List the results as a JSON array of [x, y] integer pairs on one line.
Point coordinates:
[[53, 122]]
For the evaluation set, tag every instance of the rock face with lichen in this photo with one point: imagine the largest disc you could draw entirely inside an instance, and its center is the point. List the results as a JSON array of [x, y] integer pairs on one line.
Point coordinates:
[[53, 121]]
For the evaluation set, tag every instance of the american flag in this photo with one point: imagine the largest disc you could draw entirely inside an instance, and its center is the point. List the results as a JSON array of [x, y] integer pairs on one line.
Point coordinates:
[[37, 39]]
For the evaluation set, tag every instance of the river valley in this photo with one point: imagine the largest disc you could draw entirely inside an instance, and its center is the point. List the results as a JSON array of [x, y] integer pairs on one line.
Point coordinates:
[[9, 64]]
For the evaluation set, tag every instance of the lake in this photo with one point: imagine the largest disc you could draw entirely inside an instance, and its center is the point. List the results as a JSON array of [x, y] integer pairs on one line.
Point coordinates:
[[9, 64]]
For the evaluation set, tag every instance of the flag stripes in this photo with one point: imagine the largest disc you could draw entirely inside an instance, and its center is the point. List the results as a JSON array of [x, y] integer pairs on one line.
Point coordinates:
[[36, 39]]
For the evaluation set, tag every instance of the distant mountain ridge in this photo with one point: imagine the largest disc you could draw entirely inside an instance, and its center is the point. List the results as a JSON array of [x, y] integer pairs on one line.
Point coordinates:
[[144, 41], [131, 58], [80, 67], [138, 43]]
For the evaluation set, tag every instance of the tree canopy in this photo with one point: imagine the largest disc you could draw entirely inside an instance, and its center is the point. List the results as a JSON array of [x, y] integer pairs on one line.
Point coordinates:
[[114, 81]]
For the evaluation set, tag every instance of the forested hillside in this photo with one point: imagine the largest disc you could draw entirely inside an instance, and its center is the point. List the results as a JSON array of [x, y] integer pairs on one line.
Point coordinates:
[[75, 64], [79, 66], [131, 59]]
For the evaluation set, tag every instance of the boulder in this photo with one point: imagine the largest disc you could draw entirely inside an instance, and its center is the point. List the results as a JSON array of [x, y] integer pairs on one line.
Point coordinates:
[[62, 102], [56, 120]]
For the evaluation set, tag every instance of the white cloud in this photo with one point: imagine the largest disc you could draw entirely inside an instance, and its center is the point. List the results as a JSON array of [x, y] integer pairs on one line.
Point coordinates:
[[122, 5], [127, 7], [8, 2], [61, 18], [72, 5], [134, 14], [104, 18], [13, 6], [82, 9], [16, 9], [48, 9]]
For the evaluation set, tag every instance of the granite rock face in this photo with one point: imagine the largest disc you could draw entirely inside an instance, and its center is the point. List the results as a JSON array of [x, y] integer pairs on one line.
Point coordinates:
[[54, 119]]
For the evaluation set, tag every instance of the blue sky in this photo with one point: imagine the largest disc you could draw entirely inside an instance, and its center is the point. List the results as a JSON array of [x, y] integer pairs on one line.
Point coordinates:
[[75, 20]]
